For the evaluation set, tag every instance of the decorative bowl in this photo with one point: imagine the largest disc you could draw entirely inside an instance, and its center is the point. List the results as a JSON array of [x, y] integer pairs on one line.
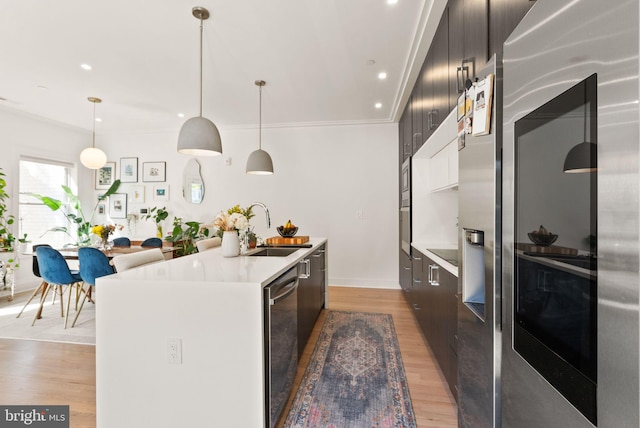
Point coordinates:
[[287, 233], [542, 240]]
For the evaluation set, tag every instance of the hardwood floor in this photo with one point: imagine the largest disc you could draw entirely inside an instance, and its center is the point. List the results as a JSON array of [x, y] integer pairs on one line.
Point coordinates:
[[433, 404], [56, 373]]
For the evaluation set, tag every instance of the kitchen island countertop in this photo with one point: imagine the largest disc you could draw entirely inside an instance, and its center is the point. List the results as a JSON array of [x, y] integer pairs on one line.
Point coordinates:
[[212, 309]]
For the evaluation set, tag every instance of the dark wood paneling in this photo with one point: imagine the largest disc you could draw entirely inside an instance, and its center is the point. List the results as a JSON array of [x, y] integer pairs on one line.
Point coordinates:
[[504, 16]]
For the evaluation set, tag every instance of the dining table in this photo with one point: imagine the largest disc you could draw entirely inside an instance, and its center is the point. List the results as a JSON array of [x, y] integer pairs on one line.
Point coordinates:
[[71, 253]]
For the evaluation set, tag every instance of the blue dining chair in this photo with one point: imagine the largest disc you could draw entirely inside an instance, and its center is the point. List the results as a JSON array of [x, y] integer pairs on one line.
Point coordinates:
[[152, 242], [55, 271], [122, 242], [35, 268], [93, 264]]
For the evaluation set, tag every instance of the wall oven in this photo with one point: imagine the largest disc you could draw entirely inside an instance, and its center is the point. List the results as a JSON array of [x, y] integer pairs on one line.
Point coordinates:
[[405, 207], [405, 183]]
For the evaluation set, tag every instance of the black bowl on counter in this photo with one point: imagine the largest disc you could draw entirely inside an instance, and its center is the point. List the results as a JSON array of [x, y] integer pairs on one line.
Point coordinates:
[[542, 240], [287, 233]]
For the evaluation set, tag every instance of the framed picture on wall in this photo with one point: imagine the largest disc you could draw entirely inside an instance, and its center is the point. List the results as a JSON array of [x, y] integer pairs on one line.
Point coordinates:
[[137, 195], [161, 193], [118, 205], [154, 171], [105, 176], [101, 209], [129, 170]]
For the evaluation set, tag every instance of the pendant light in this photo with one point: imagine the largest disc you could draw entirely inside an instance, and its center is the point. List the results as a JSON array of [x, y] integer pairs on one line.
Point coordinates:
[[92, 157], [583, 157], [198, 135], [259, 161]]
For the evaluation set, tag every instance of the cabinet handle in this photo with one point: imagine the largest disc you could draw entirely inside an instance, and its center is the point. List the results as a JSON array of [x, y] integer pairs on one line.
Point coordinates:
[[307, 271], [434, 275], [433, 124], [316, 255], [416, 307], [406, 268], [416, 258], [417, 281], [458, 85]]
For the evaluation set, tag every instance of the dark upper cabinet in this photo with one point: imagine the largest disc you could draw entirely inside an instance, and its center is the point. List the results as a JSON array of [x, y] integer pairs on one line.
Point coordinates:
[[440, 107], [468, 43], [416, 117], [434, 78], [406, 132], [504, 16]]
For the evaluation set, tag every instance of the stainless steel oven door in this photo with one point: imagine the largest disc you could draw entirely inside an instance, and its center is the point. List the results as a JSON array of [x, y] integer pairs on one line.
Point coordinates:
[[405, 230]]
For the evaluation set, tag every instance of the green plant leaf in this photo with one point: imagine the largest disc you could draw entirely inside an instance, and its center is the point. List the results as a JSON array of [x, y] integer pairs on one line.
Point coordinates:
[[113, 189]]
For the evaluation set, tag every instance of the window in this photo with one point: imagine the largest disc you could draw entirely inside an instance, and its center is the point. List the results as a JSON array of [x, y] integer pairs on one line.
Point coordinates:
[[45, 178]]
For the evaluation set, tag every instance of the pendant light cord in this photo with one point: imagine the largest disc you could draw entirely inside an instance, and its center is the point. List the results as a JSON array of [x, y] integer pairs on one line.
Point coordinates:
[[201, 30], [94, 124], [260, 125]]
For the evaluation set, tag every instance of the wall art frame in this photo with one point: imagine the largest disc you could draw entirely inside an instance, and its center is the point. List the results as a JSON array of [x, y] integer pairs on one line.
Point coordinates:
[[154, 171]]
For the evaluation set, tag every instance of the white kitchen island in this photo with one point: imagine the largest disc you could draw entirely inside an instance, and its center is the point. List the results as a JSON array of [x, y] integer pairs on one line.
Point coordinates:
[[214, 307]]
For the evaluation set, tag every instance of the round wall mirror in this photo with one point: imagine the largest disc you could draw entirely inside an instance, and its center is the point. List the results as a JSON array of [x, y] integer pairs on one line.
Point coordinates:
[[192, 184]]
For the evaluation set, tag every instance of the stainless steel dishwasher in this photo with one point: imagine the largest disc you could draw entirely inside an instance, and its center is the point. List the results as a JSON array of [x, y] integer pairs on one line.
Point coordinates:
[[281, 342]]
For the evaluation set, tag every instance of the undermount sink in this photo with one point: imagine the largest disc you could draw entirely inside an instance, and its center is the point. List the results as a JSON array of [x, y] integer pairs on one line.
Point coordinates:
[[274, 252]]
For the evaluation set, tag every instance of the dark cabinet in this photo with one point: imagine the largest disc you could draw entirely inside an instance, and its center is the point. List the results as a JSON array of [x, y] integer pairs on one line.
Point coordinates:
[[435, 306], [504, 16], [311, 294], [406, 133], [468, 43], [406, 279], [434, 79], [416, 104]]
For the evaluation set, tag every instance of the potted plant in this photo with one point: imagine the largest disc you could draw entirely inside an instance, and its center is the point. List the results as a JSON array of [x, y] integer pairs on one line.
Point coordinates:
[[22, 246], [7, 238], [158, 215], [74, 214], [184, 236]]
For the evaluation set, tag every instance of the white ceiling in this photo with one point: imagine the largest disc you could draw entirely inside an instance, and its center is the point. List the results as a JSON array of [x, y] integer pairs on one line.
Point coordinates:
[[313, 54]]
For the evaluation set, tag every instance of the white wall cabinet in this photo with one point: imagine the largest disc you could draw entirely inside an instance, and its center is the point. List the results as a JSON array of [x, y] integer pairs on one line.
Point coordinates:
[[443, 168]]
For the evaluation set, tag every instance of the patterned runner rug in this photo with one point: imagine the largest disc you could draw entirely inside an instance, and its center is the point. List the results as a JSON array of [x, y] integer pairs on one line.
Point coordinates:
[[355, 378]]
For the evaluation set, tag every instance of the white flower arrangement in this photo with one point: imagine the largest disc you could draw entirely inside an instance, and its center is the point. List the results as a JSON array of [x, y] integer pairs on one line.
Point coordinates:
[[227, 222]]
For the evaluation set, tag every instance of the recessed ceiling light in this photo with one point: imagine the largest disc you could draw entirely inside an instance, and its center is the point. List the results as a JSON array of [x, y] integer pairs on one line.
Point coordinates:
[[44, 88], [382, 75], [86, 66], [98, 119], [378, 105], [180, 114], [392, 1]]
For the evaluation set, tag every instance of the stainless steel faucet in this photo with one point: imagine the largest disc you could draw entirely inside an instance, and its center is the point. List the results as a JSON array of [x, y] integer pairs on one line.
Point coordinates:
[[266, 210]]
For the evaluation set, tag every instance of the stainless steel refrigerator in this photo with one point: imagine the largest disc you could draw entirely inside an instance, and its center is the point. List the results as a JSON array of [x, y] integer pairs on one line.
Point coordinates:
[[570, 264], [479, 192]]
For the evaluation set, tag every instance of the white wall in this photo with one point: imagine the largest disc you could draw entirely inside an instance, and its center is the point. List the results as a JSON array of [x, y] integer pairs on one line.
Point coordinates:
[[25, 135], [323, 177]]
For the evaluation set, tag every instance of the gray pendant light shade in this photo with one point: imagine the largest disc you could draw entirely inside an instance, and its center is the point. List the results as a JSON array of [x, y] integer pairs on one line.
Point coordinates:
[[582, 157], [259, 162], [198, 135]]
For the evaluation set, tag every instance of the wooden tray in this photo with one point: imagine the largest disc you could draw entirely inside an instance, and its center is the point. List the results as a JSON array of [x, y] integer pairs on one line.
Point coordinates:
[[279, 240]]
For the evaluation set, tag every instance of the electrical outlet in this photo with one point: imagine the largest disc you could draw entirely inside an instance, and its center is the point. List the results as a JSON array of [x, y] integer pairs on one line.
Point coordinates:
[[174, 351]]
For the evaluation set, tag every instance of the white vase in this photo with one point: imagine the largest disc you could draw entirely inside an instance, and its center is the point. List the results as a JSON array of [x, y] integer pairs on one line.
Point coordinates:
[[230, 243]]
